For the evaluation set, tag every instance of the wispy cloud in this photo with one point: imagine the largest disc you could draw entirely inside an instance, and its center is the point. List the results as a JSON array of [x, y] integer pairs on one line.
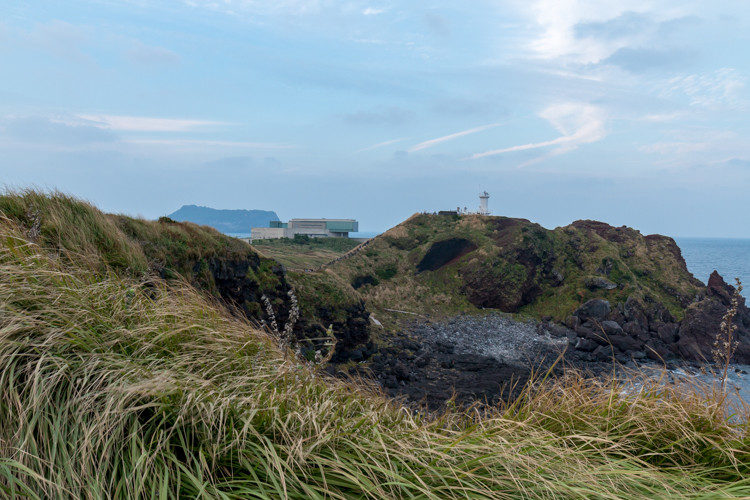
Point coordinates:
[[663, 117], [380, 145], [590, 31], [209, 143], [371, 11], [146, 124], [578, 123], [433, 142], [722, 88]]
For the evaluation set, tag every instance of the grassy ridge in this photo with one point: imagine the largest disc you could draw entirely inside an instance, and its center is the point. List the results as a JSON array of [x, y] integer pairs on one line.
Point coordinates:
[[517, 266], [115, 388]]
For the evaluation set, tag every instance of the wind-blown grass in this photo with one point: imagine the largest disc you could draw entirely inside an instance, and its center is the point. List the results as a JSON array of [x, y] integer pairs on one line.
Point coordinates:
[[113, 387]]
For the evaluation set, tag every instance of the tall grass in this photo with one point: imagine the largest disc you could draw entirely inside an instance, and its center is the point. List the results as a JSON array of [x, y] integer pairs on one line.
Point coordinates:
[[112, 387]]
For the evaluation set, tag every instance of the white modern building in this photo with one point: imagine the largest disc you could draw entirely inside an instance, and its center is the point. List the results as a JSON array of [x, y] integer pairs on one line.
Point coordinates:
[[314, 228]]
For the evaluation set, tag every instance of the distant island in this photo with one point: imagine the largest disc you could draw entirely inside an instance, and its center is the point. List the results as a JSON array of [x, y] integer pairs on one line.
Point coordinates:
[[226, 221]]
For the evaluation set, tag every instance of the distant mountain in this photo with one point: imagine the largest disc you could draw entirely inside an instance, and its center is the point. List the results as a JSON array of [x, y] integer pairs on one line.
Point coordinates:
[[226, 221]]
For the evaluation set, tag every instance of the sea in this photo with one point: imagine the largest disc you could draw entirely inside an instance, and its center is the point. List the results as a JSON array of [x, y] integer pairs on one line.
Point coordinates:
[[730, 257]]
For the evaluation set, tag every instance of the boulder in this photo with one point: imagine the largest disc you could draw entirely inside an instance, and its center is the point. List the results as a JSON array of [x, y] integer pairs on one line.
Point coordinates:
[[603, 353], [593, 335], [667, 332], [597, 282], [585, 345], [596, 309], [657, 351], [612, 328], [625, 343], [634, 329], [633, 310]]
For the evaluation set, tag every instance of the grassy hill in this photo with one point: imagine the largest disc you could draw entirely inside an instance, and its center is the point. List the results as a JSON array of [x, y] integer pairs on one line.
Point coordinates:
[[444, 264], [223, 268], [301, 253], [117, 386]]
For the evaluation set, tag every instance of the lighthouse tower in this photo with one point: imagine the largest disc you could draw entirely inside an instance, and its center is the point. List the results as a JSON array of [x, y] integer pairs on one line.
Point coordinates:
[[483, 210]]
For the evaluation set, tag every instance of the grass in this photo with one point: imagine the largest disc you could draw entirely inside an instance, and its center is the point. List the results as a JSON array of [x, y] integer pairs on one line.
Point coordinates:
[[304, 253], [114, 386]]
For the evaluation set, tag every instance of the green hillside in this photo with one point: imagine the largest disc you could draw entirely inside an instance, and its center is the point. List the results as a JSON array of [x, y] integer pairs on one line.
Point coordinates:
[[223, 268], [443, 264]]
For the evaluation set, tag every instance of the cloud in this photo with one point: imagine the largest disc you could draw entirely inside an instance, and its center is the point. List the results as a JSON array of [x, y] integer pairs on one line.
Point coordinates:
[[676, 148], [641, 60], [434, 142], [390, 116], [719, 89], [380, 145], [371, 11], [683, 144], [43, 130], [625, 25], [663, 117], [147, 55], [200, 143], [146, 124], [578, 123], [589, 31]]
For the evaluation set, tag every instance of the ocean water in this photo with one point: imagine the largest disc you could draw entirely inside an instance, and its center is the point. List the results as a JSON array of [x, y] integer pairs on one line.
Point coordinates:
[[731, 257]]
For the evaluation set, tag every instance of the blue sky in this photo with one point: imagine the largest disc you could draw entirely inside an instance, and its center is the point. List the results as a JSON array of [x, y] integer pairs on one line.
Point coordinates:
[[631, 112]]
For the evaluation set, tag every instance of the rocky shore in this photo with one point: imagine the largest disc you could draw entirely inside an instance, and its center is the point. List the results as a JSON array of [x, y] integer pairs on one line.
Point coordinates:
[[631, 330], [488, 358]]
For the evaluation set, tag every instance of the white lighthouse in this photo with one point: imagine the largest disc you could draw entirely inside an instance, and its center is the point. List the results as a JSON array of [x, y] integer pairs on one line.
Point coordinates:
[[483, 210]]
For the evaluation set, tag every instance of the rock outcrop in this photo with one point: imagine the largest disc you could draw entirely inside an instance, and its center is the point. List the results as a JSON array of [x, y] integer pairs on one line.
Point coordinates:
[[638, 330], [703, 318], [616, 294]]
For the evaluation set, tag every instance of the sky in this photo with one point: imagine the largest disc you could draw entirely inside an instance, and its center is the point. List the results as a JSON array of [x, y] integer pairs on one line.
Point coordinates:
[[631, 112]]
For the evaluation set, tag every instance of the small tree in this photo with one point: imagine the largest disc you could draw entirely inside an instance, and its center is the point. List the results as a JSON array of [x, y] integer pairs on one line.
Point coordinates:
[[725, 343]]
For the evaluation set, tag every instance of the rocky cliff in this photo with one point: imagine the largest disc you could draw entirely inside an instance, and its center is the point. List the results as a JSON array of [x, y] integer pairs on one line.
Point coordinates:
[[613, 291]]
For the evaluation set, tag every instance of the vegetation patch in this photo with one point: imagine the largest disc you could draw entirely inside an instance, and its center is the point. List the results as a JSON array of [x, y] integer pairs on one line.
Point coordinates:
[[386, 272], [303, 252]]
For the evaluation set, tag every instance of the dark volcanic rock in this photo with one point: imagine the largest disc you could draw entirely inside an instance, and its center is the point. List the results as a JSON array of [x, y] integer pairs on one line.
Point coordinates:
[[435, 373], [719, 288], [596, 309], [625, 343], [473, 358], [612, 328], [702, 321]]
